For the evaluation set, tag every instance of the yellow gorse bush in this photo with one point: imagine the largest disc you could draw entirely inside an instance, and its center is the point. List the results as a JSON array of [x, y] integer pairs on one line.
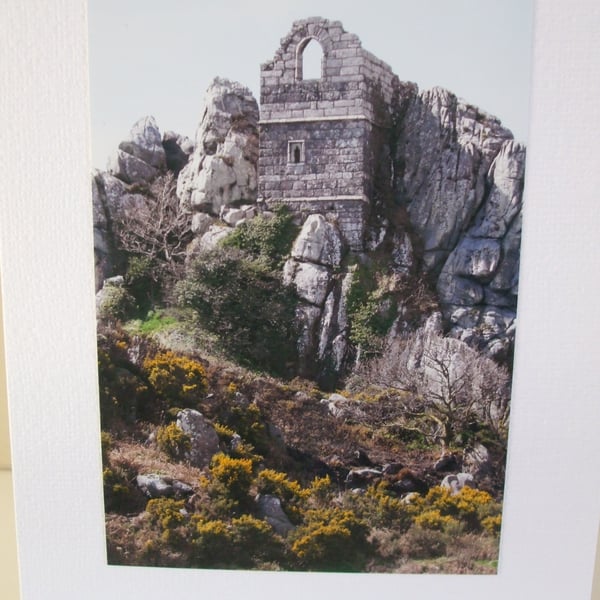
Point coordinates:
[[330, 539], [173, 441], [433, 519], [469, 506], [166, 512], [274, 482], [178, 379], [235, 474]]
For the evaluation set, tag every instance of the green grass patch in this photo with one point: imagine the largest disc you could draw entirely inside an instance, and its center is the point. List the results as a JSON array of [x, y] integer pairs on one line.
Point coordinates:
[[155, 321]]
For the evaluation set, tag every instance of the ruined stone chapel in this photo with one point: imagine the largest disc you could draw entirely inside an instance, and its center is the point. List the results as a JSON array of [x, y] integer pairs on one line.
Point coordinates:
[[322, 140]]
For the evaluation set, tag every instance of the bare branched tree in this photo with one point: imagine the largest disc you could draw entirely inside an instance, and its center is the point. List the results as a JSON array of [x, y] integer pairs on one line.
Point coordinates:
[[443, 386], [155, 227]]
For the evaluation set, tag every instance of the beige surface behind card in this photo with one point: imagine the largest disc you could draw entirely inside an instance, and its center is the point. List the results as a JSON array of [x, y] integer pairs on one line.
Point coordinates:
[[9, 588], [4, 434]]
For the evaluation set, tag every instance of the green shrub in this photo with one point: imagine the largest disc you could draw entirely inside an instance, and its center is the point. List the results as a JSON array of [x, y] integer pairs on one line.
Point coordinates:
[[234, 476], [269, 239], [331, 540], [118, 494], [212, 544], [421, 543], [173, 441], [116, 304], [248, 422], [141, 278], [167, 514], [243, 303], [371, 308], [124, 395], [255, 542], [180, 380], [106, 444]]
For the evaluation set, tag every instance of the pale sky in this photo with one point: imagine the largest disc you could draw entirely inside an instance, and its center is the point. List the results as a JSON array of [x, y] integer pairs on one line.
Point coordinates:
[[157, 57]]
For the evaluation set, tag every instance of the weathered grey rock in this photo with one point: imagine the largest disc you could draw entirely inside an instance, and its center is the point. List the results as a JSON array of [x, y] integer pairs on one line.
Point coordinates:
[[222, 168], [131, 169], [504, 201], [159, 486], [474, 257], [145, 143], [476, 460], [310, 280], [208, 240], [269, 509], [457, 482], [362, 477], [447, 147], [201, 223], [204, 440], [318, 242], [232, 216], [342, 408], [506, 278]]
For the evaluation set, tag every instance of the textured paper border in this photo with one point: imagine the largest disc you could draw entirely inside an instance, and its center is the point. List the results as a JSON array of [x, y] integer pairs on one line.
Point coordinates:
[[551, 511]]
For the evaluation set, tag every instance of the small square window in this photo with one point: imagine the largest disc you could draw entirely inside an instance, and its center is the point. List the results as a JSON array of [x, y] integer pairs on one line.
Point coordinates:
[[296, 152]]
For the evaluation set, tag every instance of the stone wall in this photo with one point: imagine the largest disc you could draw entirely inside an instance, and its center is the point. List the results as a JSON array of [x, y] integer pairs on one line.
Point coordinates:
[[333, 163], [320, 139]]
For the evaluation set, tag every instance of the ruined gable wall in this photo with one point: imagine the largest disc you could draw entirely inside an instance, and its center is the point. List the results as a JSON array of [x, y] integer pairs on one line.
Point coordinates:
[[339, 120]]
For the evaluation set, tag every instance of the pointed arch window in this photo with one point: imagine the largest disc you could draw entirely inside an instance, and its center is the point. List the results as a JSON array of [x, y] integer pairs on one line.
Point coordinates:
[[309, 60]]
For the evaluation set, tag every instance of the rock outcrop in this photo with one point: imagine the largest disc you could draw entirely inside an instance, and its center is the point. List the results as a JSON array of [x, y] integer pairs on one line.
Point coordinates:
[[446, 148], [462, 185], [159, 486], [222, 169], [122, 191], [141, 157], [314, 270], [111, 200], [178, 149], [444, 203], [204, 441]]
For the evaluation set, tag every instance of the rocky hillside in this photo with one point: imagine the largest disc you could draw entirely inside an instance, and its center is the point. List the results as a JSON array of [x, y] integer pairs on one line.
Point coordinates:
[[226, 324], [451, 230]]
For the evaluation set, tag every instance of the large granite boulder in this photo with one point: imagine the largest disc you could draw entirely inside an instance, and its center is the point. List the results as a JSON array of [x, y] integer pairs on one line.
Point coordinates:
[[455, 483], [153, 485], [318, 242], [222, 168], [461, 182], [141, 157], [446, 148], [204, 441], [310, 280], [270, 509]]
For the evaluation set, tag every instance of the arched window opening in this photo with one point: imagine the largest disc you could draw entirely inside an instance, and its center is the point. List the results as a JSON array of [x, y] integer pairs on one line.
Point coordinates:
[[296, 152], [312, 61]]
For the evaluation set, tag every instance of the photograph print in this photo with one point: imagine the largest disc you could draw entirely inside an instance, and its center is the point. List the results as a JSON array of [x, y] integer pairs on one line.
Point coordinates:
[[307, 233]]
